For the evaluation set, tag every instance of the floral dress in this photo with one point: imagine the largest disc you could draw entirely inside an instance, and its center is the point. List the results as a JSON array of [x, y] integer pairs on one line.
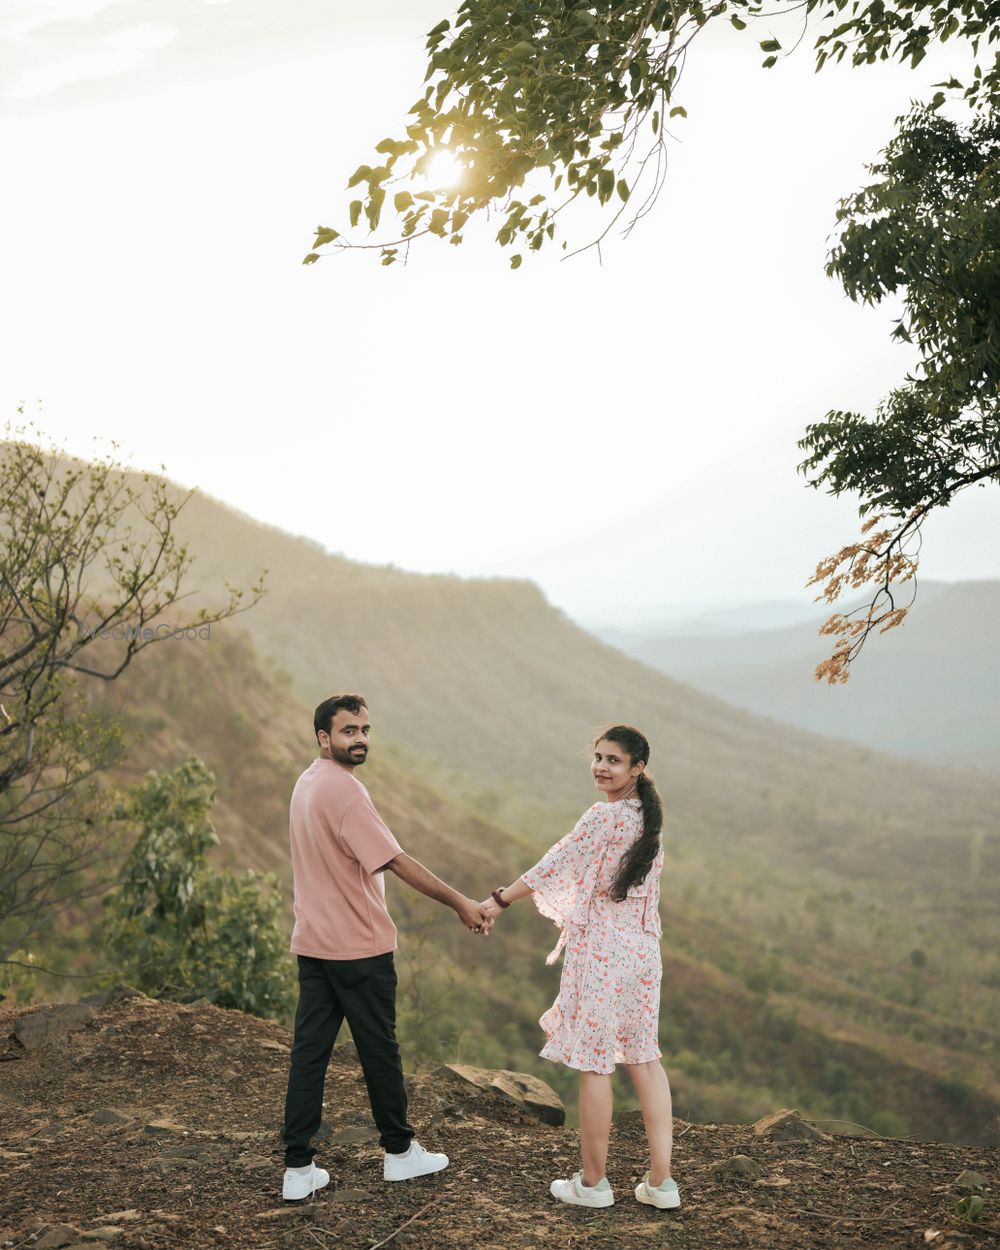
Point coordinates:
[[608, 1006]]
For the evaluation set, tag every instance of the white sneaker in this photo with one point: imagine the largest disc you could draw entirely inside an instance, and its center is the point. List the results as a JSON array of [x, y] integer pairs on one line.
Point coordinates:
[[416, 1162], [574, 1190], [299, 1184], [663, 1196]]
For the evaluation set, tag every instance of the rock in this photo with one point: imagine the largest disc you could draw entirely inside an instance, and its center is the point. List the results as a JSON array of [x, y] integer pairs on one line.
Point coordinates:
[[108, 1115], [970, 1180], [165, 1166], [527, 1092], [267, 1044], [118, 1217], [255, 1163], [106, 1233], [113, 995], [739, 1165], [788, 1125], [56, 1236], [355, 1133], [51, 1025], [323, 1134], [163, 1128], [51, 1130]]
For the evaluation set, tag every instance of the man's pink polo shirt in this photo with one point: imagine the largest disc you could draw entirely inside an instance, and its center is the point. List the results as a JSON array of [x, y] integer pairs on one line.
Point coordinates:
[[339, 842]]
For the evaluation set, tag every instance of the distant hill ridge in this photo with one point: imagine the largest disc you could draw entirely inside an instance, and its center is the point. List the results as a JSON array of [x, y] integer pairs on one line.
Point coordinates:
[[808, 882], [929, 689]]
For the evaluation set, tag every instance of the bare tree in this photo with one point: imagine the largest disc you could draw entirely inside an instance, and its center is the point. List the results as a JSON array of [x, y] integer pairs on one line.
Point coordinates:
[[89, 566]]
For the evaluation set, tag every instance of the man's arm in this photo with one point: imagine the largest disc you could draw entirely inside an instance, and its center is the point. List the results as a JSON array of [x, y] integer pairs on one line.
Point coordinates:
[[410, 870]]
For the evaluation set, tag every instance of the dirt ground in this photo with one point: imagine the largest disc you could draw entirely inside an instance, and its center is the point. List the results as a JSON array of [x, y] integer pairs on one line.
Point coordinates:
[[155, 1126]]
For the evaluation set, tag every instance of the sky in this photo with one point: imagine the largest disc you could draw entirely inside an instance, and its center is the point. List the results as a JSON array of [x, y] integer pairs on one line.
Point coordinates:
[[623, 433]]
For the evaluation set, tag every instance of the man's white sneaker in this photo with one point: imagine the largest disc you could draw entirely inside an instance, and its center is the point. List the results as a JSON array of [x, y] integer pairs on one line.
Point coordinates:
[[416, 1162], [574, 1190], [303, 1183], [663, 1196]]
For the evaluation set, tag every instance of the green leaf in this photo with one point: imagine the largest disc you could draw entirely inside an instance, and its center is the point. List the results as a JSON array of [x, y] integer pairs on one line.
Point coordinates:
[[388, 146], [355, 211], [605, 185], [361, 174], [515, 261], [738, 22], [373, 209], [439, 29], [623, 190], [768, 61], [679, 111], [520, 52], [402, 201], [325, 235], [770, 45], [311, 258]]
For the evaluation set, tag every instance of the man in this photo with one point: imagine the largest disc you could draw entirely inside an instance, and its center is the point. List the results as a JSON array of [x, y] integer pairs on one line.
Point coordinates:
[[344, 940]]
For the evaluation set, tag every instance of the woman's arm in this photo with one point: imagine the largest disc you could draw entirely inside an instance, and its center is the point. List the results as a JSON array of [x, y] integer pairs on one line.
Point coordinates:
[[509, 894]]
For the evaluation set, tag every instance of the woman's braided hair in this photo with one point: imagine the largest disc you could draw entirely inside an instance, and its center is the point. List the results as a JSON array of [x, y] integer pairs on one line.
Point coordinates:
[[638, 859]]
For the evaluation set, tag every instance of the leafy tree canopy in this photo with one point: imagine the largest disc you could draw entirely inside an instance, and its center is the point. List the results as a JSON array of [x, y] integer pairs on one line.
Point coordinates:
[[575, 96]]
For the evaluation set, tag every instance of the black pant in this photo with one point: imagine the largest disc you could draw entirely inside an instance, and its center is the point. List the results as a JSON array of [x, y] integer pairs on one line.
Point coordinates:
[[364, 992]]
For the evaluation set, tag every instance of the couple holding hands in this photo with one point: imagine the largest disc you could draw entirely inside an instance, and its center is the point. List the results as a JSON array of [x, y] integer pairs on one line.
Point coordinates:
[[600, 884]]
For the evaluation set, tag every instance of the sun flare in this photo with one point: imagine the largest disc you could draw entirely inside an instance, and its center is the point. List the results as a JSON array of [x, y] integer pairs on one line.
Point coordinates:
[[444, 169]]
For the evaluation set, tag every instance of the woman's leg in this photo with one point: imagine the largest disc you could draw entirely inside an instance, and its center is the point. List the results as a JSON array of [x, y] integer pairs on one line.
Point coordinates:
[[653, 1090], [595, 1124]]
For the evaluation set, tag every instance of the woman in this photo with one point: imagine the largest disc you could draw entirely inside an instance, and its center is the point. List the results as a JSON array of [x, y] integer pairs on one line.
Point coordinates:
[[601, 885]]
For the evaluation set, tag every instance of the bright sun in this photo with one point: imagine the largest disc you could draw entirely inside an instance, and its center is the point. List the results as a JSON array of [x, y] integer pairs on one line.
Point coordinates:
[[444, 170]]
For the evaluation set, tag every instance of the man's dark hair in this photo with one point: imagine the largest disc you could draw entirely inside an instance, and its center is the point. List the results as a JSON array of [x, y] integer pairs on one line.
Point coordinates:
[[328, 709]]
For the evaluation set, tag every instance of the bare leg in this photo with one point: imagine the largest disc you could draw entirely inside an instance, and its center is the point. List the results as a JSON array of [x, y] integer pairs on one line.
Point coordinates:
[[653, 1090], [595, 1124]]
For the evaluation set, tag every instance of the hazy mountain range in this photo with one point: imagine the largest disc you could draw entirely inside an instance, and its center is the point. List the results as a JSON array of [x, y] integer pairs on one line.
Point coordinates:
[[829, 909], [929, 688]]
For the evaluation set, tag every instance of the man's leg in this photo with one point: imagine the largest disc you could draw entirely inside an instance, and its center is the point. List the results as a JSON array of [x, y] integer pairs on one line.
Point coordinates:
[[318, 1018], [369, 1003]]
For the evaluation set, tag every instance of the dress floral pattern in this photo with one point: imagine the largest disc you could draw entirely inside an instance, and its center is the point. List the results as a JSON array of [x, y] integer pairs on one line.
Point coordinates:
[[608, 1007]]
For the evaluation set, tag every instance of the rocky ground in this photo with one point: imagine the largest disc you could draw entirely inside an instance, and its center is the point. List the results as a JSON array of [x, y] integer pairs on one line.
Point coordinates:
[[148, 1125]]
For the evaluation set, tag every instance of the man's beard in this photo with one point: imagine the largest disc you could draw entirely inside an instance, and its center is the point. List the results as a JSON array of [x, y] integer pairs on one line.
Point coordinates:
[[350, 758]]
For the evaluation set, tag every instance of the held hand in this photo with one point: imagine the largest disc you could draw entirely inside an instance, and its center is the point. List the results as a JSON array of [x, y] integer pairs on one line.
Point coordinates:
[[490, 907], [473, 915]]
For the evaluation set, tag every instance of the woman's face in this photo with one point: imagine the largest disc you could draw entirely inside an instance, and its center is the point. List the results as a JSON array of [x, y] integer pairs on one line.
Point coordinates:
[[612, 767]]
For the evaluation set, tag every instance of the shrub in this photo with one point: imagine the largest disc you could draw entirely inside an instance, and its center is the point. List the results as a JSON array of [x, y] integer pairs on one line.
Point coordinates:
[[178, 928]]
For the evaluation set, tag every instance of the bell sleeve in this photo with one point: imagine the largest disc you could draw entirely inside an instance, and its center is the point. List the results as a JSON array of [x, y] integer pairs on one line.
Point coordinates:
[[563, 879]]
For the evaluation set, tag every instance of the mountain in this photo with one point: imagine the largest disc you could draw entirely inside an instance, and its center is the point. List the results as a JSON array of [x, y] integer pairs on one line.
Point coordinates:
[[707, 620], [769, 993], [829, 910], [929, 689]]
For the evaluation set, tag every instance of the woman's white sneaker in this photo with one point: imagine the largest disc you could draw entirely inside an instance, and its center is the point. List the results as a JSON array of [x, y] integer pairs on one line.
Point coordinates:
[[416, 1162], [575, 1191], [664, 1196], [303, 1182]]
